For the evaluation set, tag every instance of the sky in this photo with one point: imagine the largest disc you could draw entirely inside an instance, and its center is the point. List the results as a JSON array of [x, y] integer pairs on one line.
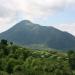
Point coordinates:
[[56, 13]]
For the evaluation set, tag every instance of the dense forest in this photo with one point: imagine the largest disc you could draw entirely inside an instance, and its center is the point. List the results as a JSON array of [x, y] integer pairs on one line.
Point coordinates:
[[16, 60]]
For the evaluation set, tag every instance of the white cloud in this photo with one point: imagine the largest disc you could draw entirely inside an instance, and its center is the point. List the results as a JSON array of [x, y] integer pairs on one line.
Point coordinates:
[[31, 9], [41, 8]]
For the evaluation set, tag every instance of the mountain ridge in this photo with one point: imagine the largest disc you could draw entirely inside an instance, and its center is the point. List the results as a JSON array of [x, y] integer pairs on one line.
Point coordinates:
[[28, 33]]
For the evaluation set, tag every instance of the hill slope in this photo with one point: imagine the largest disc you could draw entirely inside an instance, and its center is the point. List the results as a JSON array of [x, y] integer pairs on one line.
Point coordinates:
[[28, 33]]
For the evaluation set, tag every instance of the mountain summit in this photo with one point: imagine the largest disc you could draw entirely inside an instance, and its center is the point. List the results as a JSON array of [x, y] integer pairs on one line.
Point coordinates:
[[28, 33]]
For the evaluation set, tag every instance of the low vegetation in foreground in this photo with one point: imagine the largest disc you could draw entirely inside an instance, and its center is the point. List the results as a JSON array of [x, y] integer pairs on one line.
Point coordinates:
[[16, 60]]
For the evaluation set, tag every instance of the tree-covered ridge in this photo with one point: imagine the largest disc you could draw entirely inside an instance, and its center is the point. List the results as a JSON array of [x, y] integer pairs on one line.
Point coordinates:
[[15, 60]]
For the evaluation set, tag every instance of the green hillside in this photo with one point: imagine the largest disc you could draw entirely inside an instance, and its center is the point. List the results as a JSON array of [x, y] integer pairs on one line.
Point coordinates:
[[16, 60]]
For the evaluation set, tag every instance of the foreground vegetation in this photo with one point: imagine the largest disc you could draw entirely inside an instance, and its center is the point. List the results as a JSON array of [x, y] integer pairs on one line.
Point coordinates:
[[15, 60]]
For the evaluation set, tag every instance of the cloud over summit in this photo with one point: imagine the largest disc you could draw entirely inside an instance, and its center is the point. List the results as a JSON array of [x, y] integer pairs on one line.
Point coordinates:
[[32, 8]]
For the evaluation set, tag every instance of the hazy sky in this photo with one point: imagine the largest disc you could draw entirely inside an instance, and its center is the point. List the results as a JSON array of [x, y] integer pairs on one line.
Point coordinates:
[[58, 13]]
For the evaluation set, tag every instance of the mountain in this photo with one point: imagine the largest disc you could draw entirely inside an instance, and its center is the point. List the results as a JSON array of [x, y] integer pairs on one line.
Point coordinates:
[[28, 33]]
